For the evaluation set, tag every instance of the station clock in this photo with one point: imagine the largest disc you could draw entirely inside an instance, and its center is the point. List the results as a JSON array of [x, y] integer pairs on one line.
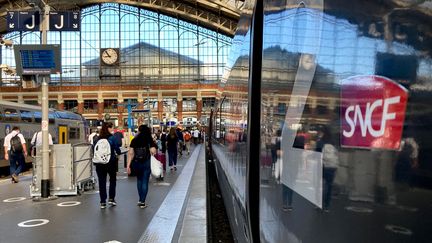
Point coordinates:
[[109, 56]]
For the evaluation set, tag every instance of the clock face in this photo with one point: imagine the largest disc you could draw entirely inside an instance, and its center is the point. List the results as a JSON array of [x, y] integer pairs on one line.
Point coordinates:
[[109, 56]]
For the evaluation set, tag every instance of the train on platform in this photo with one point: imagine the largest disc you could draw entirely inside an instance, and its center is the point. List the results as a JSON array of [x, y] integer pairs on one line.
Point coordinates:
[[322, 131], [64, 126]]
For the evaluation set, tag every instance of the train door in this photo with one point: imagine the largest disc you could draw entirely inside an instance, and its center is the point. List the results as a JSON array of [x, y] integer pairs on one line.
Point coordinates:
[[63, 138]]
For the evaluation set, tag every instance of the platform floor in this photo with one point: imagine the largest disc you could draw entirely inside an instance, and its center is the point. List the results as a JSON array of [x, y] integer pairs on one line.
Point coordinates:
[[85, 221]]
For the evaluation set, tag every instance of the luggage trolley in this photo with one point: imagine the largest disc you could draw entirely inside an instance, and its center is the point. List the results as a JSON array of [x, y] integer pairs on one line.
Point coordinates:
[[71, 170], [83, 167]]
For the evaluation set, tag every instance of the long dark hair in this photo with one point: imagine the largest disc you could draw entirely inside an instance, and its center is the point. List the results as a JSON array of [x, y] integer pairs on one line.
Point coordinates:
[[172, 133], [144, 132], [104, 133]]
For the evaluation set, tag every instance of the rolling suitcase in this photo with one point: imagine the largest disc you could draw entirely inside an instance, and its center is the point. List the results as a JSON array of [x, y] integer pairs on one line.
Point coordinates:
[[162, 158]]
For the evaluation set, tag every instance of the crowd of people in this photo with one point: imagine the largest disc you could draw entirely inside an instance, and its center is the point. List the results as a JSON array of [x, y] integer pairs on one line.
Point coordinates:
[[143, 145]]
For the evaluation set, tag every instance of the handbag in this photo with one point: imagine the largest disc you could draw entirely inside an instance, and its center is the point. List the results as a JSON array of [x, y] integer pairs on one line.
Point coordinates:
[[156, 167]]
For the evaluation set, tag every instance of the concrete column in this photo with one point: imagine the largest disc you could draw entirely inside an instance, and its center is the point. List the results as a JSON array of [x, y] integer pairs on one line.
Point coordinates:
[[100, 110], [179, 107], [20, 99], [81, 107], [100, 106], [160, 106], [120, 110], [199, 109], [140, 105], [160, 110], [80, 104]]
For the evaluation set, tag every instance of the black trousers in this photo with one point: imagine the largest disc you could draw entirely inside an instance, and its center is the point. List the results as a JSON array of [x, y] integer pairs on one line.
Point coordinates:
[[102, 171]]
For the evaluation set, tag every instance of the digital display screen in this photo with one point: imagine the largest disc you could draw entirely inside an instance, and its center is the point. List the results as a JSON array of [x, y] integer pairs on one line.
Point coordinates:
[[37, 59], [40, 59]]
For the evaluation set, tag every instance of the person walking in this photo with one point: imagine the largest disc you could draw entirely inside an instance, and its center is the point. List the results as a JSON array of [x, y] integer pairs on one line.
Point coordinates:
[[37, 141], [187, 139], [109, 168], [15, 151], [172, 144], [163, 139], [140, 150], [180, 141]]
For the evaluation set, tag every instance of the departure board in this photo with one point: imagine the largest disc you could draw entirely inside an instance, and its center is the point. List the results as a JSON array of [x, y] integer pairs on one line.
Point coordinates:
[[37, 59]]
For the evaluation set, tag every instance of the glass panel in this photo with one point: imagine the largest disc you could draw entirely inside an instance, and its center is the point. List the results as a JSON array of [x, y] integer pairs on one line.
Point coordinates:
[[10, 114], [154, 48], [229, 127], [71, 105], [26, 116], [189, 104], [345, 155]]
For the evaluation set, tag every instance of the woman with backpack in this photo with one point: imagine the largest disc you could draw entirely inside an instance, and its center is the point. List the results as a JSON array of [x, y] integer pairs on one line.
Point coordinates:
[[140, 150], [109, 166]]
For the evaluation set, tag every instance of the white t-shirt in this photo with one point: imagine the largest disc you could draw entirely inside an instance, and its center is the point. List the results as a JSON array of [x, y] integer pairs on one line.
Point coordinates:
[[7, 139], [196, 133], [39, 139]]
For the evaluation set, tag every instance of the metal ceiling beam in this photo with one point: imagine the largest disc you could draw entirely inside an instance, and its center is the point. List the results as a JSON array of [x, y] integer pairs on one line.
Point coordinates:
[[218, 15]]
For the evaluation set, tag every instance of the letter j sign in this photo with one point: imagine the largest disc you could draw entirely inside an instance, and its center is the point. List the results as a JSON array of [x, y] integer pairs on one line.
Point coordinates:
[[372, 112]]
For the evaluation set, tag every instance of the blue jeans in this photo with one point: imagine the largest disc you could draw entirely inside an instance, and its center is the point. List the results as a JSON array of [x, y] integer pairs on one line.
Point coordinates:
[[172, 156], [142, 171], [16, 162], [102, 171], [287, 196]]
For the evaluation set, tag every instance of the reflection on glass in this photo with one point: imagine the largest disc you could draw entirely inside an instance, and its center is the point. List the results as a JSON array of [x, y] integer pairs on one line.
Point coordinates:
[[315, 187]]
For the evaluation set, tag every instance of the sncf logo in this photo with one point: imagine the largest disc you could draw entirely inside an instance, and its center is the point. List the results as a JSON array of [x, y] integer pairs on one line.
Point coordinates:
[[372, 112]]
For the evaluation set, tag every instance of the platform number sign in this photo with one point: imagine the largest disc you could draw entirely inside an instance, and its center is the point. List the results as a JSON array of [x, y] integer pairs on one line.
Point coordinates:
[[23, 21], [30, 21], [64, 21]]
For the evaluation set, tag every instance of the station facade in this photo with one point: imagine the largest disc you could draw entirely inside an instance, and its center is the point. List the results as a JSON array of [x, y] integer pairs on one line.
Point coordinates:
[[163, 64]]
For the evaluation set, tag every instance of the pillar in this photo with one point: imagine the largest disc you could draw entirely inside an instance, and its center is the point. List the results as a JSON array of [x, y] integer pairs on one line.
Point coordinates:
[[120, 111], [60, 102], [80, 104], [100, 106], [179, 107], [199, 109], [160, 106], [81, 107]]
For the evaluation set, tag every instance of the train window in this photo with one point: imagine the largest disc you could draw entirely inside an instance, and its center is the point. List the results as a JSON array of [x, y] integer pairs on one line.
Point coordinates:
[[38, 116], [51, 118], [26, 116], [10, 114], [74, 133]]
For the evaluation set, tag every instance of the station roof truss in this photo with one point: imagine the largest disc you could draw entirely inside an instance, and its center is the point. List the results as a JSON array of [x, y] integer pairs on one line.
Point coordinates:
[[218, 15]]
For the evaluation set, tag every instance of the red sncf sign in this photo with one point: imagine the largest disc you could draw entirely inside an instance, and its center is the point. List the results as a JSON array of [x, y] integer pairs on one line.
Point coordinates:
[[372, 112]]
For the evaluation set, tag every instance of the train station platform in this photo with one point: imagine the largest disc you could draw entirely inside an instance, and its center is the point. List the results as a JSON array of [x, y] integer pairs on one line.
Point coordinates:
[[176, 211]]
